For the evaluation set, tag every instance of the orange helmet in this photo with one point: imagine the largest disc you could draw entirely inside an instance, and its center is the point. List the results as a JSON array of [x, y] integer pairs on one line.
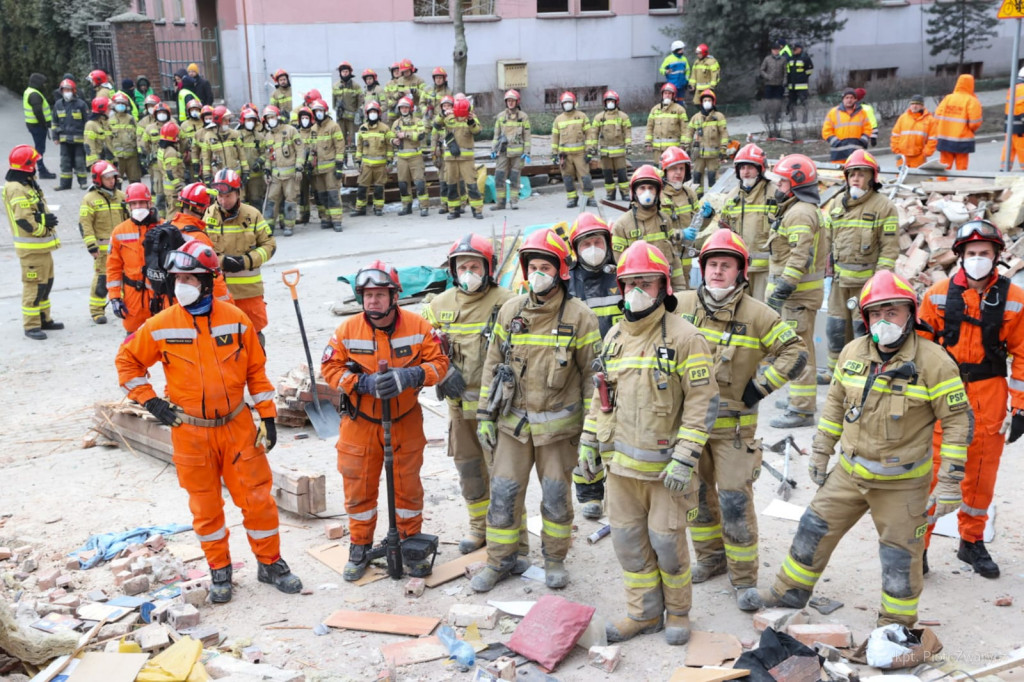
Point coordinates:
[[512, 94], [588, 225], [68, 83], [641, 258], [169, 131], [461, 108], [376, 275], [221, 115], [226, 181], [709, 93], [372, 106], [196, 197], [271, 110], [567, 96], [702, 50], [395, 66], [193, 258], [978, 231], [100, 105], [545, 242], [279, 73], [305, 111], [97, 77], [645, 174], [369, 72], [24, 158], [476, 246], [801, 173], [161, 107], [610, 95], [137, 191], [101, 168], [861, 158], [405, 65], [343, 66], [668, 87], [194, 103], [752, 154], [726, 242], [439, 71], [207, 110], [311, 96], [318, 104], [404, 102], [886, 287]]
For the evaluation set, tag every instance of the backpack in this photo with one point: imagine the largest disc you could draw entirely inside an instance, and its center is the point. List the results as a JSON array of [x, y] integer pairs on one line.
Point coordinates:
[[159, 241]]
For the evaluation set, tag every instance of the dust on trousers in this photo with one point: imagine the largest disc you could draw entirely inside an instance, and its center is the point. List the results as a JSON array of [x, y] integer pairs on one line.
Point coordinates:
[[842, 325], [375, 177], [327, 196], [616, 176], [462, 171], [577, 171], [98, 288], [507, 167], [36, 285], [282, 194], [798, 312], [411, 176]]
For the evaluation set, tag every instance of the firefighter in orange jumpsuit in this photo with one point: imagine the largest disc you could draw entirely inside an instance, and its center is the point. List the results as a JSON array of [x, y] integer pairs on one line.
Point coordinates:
[[210, 356], [959, 117], [350, 363], [127, 287], [195, 199], [979, 337]]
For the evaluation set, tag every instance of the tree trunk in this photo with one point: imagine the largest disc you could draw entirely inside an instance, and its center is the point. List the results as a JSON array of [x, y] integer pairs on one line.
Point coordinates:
[[461, 48], [963, 38]]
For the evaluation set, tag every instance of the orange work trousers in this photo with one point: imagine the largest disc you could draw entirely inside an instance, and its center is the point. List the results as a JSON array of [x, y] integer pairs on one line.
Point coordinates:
[[203, 457], [256, 310], [360, 460], [136, 303], [913, 161], [951, 159], [1016, 151], [988, 400]]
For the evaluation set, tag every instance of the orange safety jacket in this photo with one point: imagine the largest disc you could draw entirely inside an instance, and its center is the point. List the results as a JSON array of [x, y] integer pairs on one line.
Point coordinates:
[[846, 131], [127, 259], [1018, 107], [193, 227], [959, 116], [914, 134]]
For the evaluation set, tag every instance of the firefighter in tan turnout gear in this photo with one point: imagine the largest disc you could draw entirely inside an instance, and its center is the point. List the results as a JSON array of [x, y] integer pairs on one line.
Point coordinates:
[[741, 332], [644, 221], [463, 317], [889, 390], [103, 208], [666, 124], [281, 147], [569, 133], [650, 415], [535, 390], [610, 135], [408, 134], [708, 139], [748, 211], [458, 130], [511, 148]]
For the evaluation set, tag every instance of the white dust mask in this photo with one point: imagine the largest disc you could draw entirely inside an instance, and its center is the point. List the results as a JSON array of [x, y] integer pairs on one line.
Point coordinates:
[[638, 301], [67, 96], [470, 281], [540, 282], [646, 197], [187, 294], [666, 101], [885, 333], [250, 124], [594, 255], [271, 122], [706, 106], [857, 192], [609, 105], [372, 116], [978, 267], [140, 214], [566, 106]]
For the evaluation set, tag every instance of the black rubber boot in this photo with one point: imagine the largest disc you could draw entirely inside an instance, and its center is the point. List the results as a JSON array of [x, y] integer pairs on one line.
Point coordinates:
[[358, 212], [975, 554], [499, 205], [406, 209], [220, 590], [36, 334], [50, 324], [280, 576]]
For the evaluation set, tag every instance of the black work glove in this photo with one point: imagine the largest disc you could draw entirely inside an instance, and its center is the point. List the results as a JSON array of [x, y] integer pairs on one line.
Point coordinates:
[[233, 264], [51, 219], [245, 181], [782, 291], [367, 385], [399, 379], [161, 409], [452, 385], [834, 141], [118, 307], [339, 170], [752, 394], [207, 179], [1016, 426], [271, 429], [874, 140], [156, 304]]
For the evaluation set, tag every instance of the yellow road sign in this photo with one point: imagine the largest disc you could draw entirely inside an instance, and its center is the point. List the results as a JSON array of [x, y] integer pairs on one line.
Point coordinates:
[[1011, 9]]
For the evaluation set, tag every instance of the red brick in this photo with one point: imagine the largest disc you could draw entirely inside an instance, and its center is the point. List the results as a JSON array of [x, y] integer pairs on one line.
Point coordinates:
[[47, 580], [834, 635]]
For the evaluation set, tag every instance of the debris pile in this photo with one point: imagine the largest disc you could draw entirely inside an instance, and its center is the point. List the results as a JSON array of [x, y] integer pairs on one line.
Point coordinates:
[[294, 394]]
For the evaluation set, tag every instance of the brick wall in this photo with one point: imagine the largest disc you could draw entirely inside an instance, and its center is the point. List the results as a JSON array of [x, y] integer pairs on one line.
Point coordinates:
[[135, 48]]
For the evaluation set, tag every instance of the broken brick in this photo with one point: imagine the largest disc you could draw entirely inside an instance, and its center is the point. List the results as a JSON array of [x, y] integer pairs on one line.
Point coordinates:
[[1004, 601], [335, 531], [69, 600], [156, 542], [503, 668], [118, 565], [47, 580], [776, 619], [121, 578], [464, 615], [153, 636], [64, 581], [71, 564], [209, 635], [834, 635], [604, 657], [136, 585], [415, 587], [182, 616], [5, 553], [475, 568], [253, 654]]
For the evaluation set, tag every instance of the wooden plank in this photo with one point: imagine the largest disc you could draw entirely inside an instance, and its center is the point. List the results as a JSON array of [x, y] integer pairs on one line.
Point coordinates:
[[410, 651], [334, 555], [1014, 660], [368, 621], [455, 568], [709, 674], [711, 648]]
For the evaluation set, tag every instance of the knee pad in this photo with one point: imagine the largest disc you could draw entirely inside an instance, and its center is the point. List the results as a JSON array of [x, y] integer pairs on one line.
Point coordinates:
[[835, 332], [474, 191], [809, 533], [666, 547], [555, 500], [421, 187], [471, 479], [704, 515], [453, 192], [502, 511], [403, 189], [588, 184], [291, 210], [895, 571], [623, 178], [499, 178], [513, 176], [628, 541], [333, 199], [101, 286], [734, 504], [378, 192], [798, 366], [271, 212], [711, 177], [570, 186], [361, 193], [607, 172]]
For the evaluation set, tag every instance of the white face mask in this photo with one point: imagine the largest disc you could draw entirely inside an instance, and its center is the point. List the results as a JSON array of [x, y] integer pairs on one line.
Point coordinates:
[[470, 281], [593, 255], [305, 122], [271, 122], [121, 108], [638, 301], [193, 113], [646, 196], [372, 116], [566, 106], [706, 106], [540, 282], [162, 117], [250, 124], [149, 111], [978, 267], [67, 95], [225, 128], [676, 185], [719, 293], [747, 185], [140, 214], [665, 101], [610, 105], [857, 192], [885, 333], [319, 115], [187, 294]]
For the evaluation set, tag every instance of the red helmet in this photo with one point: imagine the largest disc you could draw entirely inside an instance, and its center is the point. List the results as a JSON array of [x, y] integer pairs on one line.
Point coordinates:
[[439, 71], [702, 50], [250, 112], [798, 169], [645, 174], [68, 83], [567, 96], [978, 231], [709, 93], [548, 243], [207, 110], [726, 242], [448, 99], [100, 105], [394, 67], [97, 77], [193, 258], [221, 115], [461, 108], [196, 197], [405, 65], [405, 102], [512, 94], [752, 154], [311, 96], [588, 225], [318, 104], [279, 73], [673, 156], [271, 110], [668, 87], [169, 131], [343, 66], [226, 181], [376, 275], [151, 99], [861, 158], [641, 258], [372, 106], [101, 168], [369, 72], [477, 246], [886, 287], [137, 191], [121, 98], [24, 158], [610, 94], [162, 106]]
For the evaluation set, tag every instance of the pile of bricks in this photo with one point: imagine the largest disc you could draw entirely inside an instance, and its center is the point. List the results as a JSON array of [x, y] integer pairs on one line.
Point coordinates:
[[294, 393]]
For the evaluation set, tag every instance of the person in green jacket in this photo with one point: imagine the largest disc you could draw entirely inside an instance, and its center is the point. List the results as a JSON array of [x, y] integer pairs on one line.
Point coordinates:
[[142, 91]]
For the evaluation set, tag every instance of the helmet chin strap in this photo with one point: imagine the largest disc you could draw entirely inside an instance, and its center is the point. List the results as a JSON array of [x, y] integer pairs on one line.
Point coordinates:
[[378, 315]]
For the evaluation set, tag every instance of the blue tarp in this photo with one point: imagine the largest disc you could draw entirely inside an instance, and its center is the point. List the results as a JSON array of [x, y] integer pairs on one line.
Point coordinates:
[[109, 545], [491, 194]]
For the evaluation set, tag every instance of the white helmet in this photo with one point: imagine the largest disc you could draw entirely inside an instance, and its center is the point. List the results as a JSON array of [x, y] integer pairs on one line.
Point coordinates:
[[677, 45], [1020, 74]]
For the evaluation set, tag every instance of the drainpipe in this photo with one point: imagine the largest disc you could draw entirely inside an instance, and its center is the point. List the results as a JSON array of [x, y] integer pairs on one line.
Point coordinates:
[[245, 37]]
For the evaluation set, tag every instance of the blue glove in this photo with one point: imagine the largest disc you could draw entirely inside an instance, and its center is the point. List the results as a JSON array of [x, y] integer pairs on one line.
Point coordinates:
[[706, 210], [494, 155], [526, 159], [399, 379], [368, 385], [689, 234], [118, 307]]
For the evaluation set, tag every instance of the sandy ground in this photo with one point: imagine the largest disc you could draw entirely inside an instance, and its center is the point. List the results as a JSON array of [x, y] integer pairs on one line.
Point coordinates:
[[56, 495]]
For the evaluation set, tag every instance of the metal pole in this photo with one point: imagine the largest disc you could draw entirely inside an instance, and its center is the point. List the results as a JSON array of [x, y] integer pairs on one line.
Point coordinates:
[[1008, 149]]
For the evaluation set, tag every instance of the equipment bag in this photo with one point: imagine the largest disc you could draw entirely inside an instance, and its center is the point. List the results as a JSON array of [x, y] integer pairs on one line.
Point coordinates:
[[159, 241]]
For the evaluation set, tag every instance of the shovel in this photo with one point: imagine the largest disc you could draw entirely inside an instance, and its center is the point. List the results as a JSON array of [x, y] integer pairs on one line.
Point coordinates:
[[321, 413]]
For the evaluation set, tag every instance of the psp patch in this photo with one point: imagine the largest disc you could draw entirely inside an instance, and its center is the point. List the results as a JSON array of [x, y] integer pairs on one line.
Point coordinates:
[[691, 515], [787, 335], [957, 400], [920, 531], [853, 367], [328, 354], [447, 316], [699, 376]]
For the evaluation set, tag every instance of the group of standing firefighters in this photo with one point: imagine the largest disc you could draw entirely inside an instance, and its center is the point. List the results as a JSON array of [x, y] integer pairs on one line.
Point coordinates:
[[608, 373]]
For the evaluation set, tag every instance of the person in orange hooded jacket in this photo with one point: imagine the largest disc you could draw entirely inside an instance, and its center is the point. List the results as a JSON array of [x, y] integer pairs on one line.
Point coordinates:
[[980, 337], [913, 136], [127, 287], [405, 341], [1015, 105], [959, 116], [211, 355]]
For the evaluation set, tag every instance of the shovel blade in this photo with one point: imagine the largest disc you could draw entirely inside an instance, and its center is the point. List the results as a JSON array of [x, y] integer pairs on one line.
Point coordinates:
[[324, 418]]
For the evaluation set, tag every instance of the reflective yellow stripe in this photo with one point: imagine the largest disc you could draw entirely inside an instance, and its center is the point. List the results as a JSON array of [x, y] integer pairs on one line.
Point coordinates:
[[705, 533], [641, 580], [953, 451], [798, 573], [739, 553], [733, 422], [502, 536], [674, 581], [900, 607], [556, 530], [830, 427], [922, 469], [478, 509], [698, 437], [624, 460]]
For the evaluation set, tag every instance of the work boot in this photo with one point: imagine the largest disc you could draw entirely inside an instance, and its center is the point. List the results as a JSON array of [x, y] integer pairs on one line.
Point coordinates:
[[280, 576], [677, 630], [424, 211], [592, 510], [61, 188], [45, 174], [572, 203], [523, 564], [513, 204], [471, 543], [610, 195], [287, 231], [824, 378], [50, 324], [325, 225], [303, 219], [478, 214], [337, 227], [975, 554], [628, 628], [793, 599], [591, 201], [782, 403], [499, 205], [220, 587], [452, 215], [36, 334], [924, 563], [706, 569], [485, 580], [443, 209], [361, 210], [378, 210], [358, 560], [555, 575], [748, 599], [99, 319], [406, 209], [792, 420]]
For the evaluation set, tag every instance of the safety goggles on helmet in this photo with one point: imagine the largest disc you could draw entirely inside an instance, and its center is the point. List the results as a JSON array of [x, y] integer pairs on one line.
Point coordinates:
[[373, 279], [978, 229], [181, 262]]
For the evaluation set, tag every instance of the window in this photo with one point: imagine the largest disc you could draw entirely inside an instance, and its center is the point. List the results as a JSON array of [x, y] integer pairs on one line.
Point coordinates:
[[594, 5], [430, 8], [142, 7], [179, 10], [972, 68], [158, 10], [861, 77], [552, 6], [654, 5], [477, 8], [587, 97]]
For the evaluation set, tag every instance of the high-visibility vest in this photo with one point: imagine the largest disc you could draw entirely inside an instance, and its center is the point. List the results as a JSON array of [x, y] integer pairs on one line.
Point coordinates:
[[30, 114], [132, 106], [182, 114]]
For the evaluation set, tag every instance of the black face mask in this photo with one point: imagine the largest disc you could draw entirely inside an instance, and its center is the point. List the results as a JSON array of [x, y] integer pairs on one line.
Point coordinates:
[[781, 196]]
